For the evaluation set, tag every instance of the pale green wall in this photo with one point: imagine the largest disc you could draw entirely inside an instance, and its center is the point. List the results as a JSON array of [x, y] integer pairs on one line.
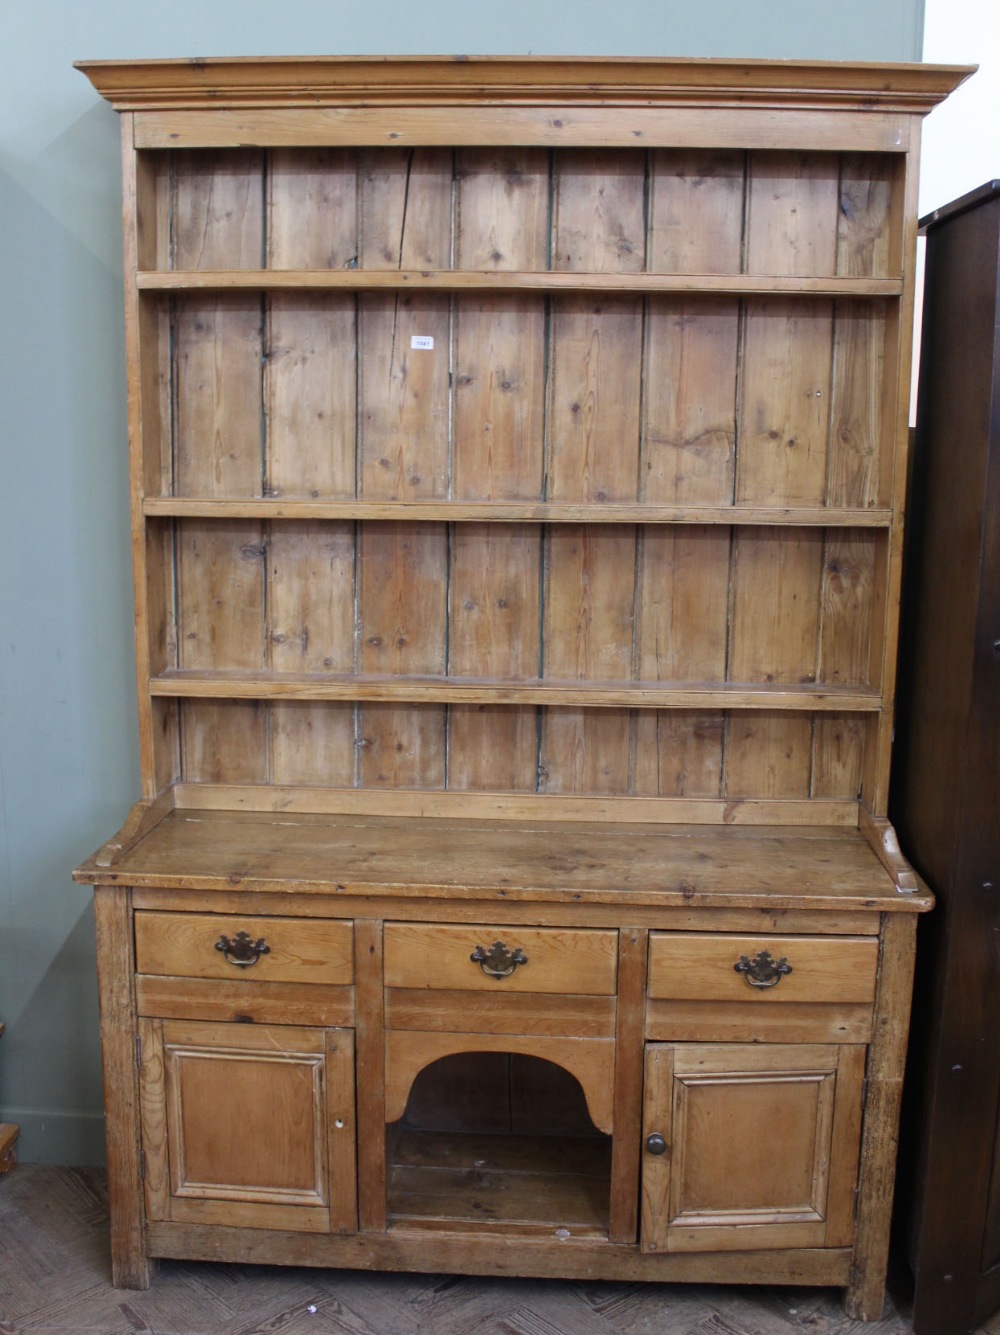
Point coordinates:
[[67, 698]]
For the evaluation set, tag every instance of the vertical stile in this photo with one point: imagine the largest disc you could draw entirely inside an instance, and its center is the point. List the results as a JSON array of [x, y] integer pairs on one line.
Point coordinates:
[[157, 360], [501, 224], [156, 553], [149, 443], [217, 219], [310, 410], [593, 441], [902, 244], [688, 457], [404, 450]]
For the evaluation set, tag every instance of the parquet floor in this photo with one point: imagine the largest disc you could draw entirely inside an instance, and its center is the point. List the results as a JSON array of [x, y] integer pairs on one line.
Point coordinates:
[[54, 1270]]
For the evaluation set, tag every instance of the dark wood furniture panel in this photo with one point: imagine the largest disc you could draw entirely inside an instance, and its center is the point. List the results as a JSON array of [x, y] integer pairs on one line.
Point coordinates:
[[945, 795]]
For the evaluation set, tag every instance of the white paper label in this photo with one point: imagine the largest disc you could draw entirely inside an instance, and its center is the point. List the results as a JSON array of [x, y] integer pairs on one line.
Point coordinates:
[[425, 341]]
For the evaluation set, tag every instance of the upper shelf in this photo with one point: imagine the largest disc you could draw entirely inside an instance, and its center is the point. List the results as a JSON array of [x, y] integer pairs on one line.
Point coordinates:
[[506, 281]]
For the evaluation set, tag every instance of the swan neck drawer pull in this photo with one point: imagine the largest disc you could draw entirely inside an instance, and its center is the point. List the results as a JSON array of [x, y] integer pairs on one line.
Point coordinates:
[[242, 950], [499, 961], [763, 970]]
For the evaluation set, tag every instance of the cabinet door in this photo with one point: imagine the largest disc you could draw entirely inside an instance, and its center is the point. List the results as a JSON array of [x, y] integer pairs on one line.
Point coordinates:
[[750, 1145], [249, 1125]]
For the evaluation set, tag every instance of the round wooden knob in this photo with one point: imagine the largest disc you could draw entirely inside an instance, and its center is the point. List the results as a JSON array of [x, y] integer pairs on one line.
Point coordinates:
[[655, 1144]]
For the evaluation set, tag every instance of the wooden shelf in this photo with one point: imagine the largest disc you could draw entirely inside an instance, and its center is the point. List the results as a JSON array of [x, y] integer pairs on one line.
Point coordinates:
[[437, 1179], [248, 685], [629, 852], [487, 280], [479, 512]]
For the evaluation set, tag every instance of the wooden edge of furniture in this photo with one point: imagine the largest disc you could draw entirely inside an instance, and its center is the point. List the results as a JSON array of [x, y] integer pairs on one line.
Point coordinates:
[[422, 1251], [9, 1132], [126, 1197], [626, 1148], [112, 865], [588, 808], [144, 816], [8, 1135], [882, 838], [865, 1295], [317, 81]]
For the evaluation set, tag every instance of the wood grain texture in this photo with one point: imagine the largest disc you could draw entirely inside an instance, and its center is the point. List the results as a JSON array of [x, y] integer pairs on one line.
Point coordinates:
[[502, 224], [517, 501], [589, 1060], [245, 1001], [438, 956], [623, 1219], [712, 1189], [598, 224], [130, 1263], [298, 951], [369, 1039], [696, 207], [865, 1294], [693, 967], [573, 862], [570, 1016], [743, 1022], [404, 451]]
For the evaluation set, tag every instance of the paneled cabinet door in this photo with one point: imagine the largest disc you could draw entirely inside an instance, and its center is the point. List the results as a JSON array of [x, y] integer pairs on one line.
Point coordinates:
[[750, 1145], [249, 1125]]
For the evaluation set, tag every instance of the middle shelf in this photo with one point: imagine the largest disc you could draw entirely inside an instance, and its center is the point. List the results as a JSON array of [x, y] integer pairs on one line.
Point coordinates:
[[507, 280], [547, 512], [435, 689]]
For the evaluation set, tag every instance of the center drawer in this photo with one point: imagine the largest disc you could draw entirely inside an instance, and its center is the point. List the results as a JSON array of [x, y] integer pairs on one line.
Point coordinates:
[[235, 947], [565, 960]]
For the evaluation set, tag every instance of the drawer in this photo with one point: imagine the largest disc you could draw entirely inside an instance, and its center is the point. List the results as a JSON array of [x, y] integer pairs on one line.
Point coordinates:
[[582, 961], [293, 950], [695, 966]]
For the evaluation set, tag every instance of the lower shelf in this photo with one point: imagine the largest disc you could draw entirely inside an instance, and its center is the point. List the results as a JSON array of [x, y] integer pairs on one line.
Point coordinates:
[[556, 1185]]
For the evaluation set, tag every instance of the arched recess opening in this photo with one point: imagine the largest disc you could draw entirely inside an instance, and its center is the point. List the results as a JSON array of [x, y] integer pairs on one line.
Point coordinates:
[[498, 1139]]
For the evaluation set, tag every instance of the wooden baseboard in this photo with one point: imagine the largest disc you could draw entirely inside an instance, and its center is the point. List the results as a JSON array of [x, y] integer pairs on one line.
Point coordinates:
[[483, 1254], [8, 1137]]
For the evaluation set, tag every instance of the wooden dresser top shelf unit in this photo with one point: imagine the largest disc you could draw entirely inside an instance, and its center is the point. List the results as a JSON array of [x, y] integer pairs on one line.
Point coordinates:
[[518, 457]]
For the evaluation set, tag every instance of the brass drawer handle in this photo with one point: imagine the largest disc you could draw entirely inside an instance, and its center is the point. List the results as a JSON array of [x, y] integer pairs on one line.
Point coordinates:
[[242, 950], [763, 970], [499, 961]]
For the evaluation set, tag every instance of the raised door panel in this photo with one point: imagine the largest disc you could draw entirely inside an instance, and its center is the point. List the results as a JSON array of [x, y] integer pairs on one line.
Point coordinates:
[[249, 1125], [760, 1146]]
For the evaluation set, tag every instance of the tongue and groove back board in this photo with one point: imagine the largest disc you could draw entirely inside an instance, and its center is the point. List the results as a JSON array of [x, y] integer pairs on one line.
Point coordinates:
[[517, 452]]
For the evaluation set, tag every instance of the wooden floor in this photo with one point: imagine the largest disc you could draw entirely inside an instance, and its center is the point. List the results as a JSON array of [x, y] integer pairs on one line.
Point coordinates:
[[54, 1271]]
